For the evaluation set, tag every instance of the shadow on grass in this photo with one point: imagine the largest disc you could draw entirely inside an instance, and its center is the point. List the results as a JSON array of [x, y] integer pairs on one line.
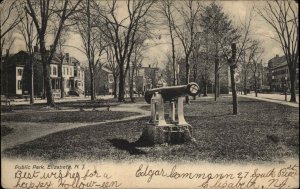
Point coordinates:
[[5, 130], [130, 147]]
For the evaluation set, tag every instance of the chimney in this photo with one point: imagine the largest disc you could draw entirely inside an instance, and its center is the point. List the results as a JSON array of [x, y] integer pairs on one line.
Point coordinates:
[[67, 57], [36, 48]]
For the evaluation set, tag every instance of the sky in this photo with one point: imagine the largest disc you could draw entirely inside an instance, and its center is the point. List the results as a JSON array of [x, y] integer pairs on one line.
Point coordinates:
[[237, 11]]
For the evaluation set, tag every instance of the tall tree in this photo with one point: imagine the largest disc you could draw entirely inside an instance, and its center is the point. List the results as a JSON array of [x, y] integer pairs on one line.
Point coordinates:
[[29, 34], [236, 42], [10, 17], [136, 61], [113, 66], [186, 30], [41, 12], [282, 16], [256, 64], [244, 72], [246, 60], [168, 69], [122, 31], [94, 43], [166, 9], [61, 54], [218, 27], [232, 66]]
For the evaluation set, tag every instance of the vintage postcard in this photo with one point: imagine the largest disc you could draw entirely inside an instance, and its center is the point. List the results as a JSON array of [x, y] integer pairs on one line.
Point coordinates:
[[149, 94]]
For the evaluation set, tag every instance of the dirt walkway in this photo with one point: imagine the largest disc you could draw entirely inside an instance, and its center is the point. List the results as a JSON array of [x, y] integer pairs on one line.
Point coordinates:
[[272, 100], [25, 132]]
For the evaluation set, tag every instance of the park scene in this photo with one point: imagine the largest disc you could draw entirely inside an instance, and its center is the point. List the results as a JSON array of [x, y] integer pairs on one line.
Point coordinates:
[[154, 81]]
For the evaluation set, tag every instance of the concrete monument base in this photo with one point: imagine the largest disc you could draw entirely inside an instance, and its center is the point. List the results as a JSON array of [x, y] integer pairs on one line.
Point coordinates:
[[171, 134]]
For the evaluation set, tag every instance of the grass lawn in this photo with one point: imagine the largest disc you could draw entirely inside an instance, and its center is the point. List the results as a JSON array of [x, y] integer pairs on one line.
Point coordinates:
[[66, 116], [87, 103], [5, 130], [262, 131]]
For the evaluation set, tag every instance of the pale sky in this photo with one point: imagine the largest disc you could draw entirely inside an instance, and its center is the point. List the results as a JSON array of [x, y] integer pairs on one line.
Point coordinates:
[[237, 10]]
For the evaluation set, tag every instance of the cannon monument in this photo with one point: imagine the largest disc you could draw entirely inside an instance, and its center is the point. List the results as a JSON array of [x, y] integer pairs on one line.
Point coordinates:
[[174, 129]]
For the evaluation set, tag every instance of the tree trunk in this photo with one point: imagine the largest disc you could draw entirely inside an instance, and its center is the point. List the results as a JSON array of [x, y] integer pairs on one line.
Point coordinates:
[[46, 73], [187, 74], [245, 84], [175, 79], [205, 83], [32, 80], [205, 88], [92, 78], [115, 87], [121, 84], [48, 87], [255, 86], [2, 74], [131, 84], [62, 86], [233, 88], [292, 80], [6, 74], [218, 84], [216, 78]]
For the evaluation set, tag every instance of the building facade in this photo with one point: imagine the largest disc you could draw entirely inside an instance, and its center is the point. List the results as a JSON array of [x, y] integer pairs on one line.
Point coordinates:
[[103, 81], [65, 72], [146, 78], [279, 76], [72, 74]]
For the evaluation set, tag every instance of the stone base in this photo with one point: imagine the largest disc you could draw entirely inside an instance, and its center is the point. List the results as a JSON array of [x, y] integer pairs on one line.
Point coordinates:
[[172, 134]]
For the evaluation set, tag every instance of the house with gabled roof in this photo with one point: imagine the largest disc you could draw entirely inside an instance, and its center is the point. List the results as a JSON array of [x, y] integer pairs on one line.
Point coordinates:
[[64, 71]]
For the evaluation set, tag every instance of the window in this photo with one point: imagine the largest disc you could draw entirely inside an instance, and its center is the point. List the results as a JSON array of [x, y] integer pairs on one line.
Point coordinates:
[[75, 72], [19, 85], [71, 71], [54, 70], [57, 84], [110, 78], [67, 71], [20, 71], [64, 71]]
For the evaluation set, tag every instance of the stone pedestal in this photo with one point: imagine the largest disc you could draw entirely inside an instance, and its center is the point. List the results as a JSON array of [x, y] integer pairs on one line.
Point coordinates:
[[172, 134], [158, 131]]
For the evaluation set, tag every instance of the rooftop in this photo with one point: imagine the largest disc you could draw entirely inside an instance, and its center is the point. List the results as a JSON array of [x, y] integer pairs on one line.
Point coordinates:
[[277, 61]]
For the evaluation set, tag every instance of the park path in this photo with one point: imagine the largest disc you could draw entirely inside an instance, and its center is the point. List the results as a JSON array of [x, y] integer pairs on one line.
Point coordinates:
[[25, 132], [275, 98]]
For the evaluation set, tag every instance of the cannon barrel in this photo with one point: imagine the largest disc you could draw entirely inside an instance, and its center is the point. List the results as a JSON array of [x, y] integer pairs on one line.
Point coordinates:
[[172, 92]]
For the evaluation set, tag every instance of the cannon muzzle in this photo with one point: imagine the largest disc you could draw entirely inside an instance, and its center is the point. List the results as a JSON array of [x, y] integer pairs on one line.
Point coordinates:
[[173, 92]]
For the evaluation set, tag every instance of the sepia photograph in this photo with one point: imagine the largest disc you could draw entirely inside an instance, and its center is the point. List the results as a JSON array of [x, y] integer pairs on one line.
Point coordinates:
[[149, 94]]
